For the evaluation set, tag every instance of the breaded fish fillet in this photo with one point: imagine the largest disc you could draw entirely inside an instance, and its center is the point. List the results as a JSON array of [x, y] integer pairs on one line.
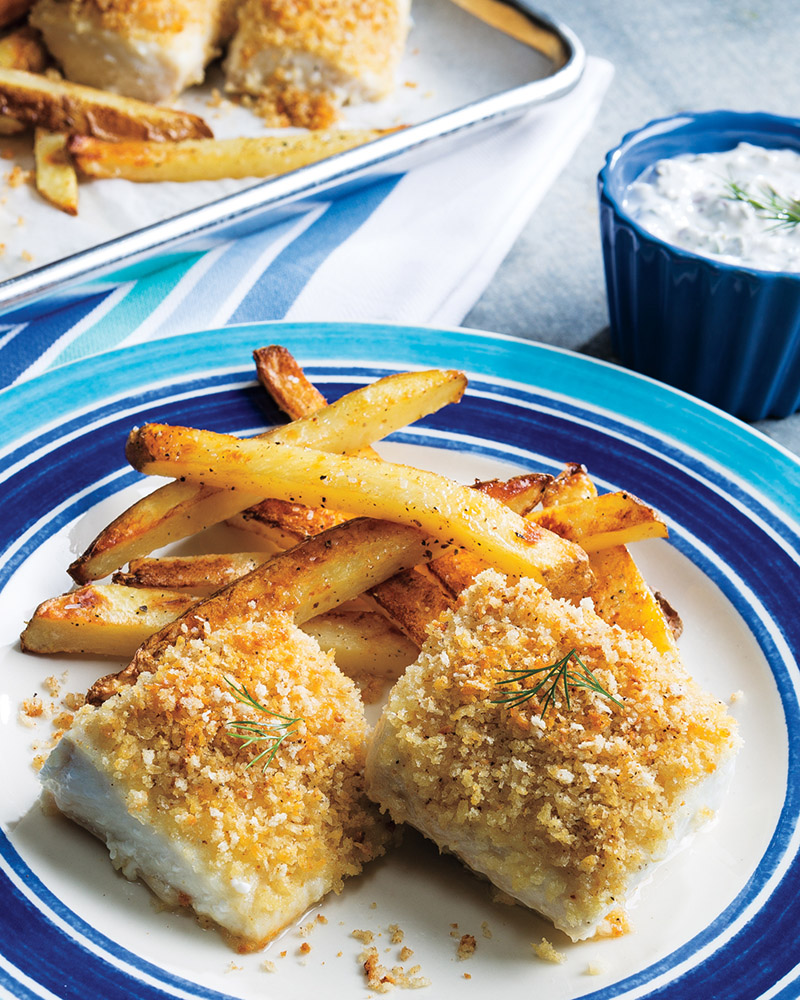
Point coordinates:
[[306, 55], [158, 773], [564, 808], [149, 49]]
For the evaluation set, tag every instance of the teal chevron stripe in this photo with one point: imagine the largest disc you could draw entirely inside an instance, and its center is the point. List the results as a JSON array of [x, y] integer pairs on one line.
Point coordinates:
[[145, 295]]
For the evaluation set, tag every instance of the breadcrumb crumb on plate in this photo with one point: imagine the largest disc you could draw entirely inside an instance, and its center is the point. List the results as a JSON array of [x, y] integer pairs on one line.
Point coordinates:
[[567, 812], [156, 773]]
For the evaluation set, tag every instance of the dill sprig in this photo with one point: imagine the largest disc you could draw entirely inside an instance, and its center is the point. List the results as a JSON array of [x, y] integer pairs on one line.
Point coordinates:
[[274, 731], [771, 206], [554, 679]]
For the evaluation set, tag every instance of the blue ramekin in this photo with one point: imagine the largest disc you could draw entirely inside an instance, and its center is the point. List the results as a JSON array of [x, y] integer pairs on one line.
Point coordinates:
[[727, 334]]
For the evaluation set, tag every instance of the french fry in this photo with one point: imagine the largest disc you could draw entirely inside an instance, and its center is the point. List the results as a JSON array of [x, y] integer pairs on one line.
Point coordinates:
[[447, 511], [622, 597], [602, 521], [413, 601], [59, 106], [22, 48], [106, 619], [284, 379], [200, 574], [573, 483], [308, 580], [456, 570], [180, 509], [365, 644], [521, 493], [283, 524], [113, 620], [211, 159], [595, 523], [56, 180]]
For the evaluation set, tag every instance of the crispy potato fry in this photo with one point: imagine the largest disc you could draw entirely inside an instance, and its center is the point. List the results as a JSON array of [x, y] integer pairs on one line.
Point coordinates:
[[454, 514], [365, 644], [595, 523], [602, 521], [622, 597], [201, 574], [56, 180], [283, 524], [571, 484], [286, 382], [113, 620], [211, 159], [310, 579], [22, 48], [180, 509], [521, 493], [457, 570], [413, 600], [59, 106], [106, 619]]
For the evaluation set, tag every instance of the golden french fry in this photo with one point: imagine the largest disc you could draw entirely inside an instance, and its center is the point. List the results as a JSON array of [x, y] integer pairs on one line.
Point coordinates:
[[457, 570], [284, 379], [413, 600], [211, 159], [365, 644], [573, 483], [113, 620], [59, 106], [106, 619], [201, 574], [602, 521], [180, 509], [622, 597], [56, 179], [282, 523], [445, 510]]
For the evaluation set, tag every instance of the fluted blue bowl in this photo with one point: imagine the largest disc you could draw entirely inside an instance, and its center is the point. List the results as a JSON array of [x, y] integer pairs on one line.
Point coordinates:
[[727, 334]]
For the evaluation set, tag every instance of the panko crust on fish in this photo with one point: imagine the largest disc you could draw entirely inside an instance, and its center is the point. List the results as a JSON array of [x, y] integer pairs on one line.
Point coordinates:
[[157, 773], [565, 812], [305, 58]]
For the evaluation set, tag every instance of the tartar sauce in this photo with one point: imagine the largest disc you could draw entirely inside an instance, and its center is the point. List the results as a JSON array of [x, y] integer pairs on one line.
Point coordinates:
[[686, 201]]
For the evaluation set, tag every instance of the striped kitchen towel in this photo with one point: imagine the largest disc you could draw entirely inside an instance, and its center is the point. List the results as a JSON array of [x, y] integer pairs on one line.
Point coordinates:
[[416, 248]]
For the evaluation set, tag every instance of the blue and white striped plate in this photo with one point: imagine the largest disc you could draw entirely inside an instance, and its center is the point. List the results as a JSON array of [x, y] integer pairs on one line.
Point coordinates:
[[719, 918]]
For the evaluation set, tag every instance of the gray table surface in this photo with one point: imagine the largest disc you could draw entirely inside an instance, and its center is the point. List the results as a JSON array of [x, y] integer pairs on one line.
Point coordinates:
[[669, 56]]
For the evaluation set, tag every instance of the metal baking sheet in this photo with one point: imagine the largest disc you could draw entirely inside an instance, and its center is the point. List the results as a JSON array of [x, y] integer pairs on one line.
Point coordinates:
[[459, 74]]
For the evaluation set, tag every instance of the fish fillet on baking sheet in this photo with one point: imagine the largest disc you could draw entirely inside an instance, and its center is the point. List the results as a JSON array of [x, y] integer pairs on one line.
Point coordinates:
[[305, 58], [157, 772], [566, 809], [149, 49]]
